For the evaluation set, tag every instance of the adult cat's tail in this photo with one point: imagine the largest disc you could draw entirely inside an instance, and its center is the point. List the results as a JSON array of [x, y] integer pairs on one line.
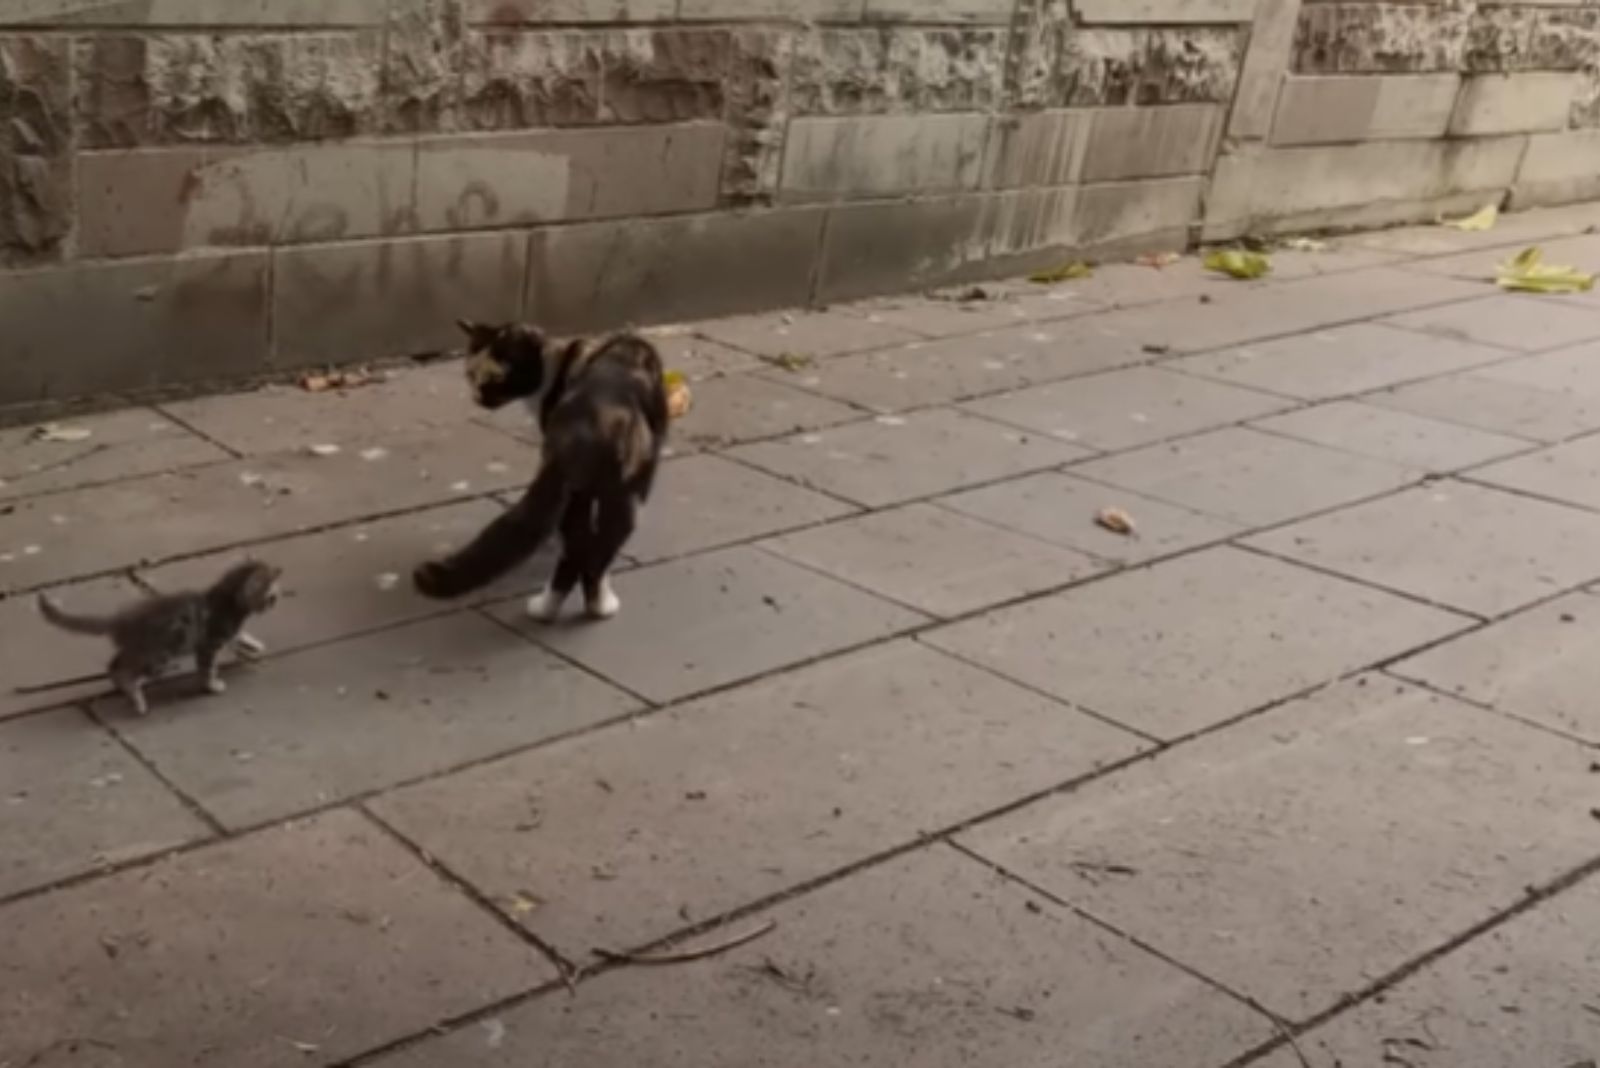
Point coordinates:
[[514, 536], [75, 623]]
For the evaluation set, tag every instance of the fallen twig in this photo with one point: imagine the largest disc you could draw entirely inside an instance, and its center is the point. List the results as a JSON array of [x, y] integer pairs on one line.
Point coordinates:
[[690, 954]]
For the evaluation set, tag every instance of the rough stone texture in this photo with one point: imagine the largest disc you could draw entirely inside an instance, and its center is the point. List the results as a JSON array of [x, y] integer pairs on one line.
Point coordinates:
[[166, 89], [737, 797], [854, 72], [1358, 38], [178, 14], [1054, 65], [35, 138], [1296, 815], [924, 953], [758, 112], [354, 911]]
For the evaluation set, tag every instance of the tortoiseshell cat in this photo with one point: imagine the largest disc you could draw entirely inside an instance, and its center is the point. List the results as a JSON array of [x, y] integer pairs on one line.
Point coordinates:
[[602, 408], [161, 630]]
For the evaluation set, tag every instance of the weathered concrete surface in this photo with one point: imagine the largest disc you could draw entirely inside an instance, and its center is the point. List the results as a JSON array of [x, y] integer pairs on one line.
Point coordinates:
[[1008, 782]]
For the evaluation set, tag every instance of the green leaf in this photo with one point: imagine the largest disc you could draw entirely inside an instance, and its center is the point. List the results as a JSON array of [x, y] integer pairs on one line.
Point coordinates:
[[1482, 219], [1526, 272], [1237, 263], [1064, 273]]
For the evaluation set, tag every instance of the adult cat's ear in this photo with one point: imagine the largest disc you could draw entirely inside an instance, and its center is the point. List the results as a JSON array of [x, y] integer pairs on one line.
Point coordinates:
[[468, 327]]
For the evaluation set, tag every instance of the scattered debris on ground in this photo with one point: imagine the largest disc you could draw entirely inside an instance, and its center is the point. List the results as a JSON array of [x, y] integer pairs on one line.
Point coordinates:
[[969, 295], [60, 432], [1304, 244], [1117, 521], [1526, 272], [793, 362], [1158, 260], [323, 382], [1066, 272], [686, 956], [1237, 263]]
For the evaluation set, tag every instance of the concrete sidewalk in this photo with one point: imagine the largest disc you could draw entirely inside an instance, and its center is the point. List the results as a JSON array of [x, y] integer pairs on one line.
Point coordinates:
[[1302, 773]]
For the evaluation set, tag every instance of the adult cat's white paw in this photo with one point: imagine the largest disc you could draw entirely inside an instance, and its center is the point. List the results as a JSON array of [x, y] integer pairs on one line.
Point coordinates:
[[545, 607], [215, 685], [249, 646], [604, 604]]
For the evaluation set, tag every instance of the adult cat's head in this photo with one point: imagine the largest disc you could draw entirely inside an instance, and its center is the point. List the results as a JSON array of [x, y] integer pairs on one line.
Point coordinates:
[[505, 363]]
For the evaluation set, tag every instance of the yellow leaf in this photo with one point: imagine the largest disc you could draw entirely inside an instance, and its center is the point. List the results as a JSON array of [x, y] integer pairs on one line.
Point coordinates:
[[1064, 273], [1528, 273], [1482, 219], [1237, 263]]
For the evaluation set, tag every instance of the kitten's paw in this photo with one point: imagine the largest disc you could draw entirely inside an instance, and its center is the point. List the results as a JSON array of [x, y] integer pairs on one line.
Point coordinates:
[[216, 686], [250, 647], [604, 604], [545, 607], [432, 579]]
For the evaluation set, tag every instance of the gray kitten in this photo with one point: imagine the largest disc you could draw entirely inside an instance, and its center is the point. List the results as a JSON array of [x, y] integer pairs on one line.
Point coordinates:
[[157, 631]]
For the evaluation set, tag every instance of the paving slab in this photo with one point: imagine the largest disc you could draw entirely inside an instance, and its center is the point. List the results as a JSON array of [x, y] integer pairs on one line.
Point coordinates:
[[1412, 441], [303, 731], [74, 800], [251, 500], [1249, 313], [1574, 371], [924, 374], [1482, 264], [1339, 361], [753, 613], [1488, 403], [1260, 855], [801, 333], [1062, 509], [744, 407], [929, 960], [893, 459], [284, 418], [622, 837], [935, 560], [1537, 665], [1569, 473], [1510, 322], [1511, 228], [124, 444], [179, 964], [1468, 547], [1520, 994], [706, 502], [355, 579], [34, 654], [1246, 476], [1190, 643], [1125, 409]]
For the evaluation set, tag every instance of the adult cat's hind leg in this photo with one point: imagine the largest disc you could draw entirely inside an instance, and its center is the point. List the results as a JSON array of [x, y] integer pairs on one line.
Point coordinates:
[[577, 532], [614, 526]]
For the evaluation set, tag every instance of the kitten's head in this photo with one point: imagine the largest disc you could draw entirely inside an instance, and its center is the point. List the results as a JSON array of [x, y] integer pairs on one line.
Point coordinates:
[[252, 586], [504, 363]]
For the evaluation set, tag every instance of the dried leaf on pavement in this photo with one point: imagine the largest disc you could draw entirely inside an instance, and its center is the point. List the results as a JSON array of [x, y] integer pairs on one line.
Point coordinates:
[[1527, 272], [61, 432], [1064, 273], [679, 399], [1237, 263], [1116, 520], [1159, 260], [1482, 219]]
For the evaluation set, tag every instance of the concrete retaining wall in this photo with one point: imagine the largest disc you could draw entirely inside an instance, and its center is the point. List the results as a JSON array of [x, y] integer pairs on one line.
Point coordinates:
[[209, 189]]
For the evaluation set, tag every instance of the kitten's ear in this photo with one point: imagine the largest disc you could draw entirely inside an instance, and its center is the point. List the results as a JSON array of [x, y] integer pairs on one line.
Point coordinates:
[[468, 327]]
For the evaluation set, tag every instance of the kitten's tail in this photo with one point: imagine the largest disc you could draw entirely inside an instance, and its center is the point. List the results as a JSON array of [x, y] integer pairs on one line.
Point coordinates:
[[514, 536], [75, 623]]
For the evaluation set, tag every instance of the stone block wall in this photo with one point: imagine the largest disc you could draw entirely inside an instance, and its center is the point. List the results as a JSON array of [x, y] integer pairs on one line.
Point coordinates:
[[196, 190]]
